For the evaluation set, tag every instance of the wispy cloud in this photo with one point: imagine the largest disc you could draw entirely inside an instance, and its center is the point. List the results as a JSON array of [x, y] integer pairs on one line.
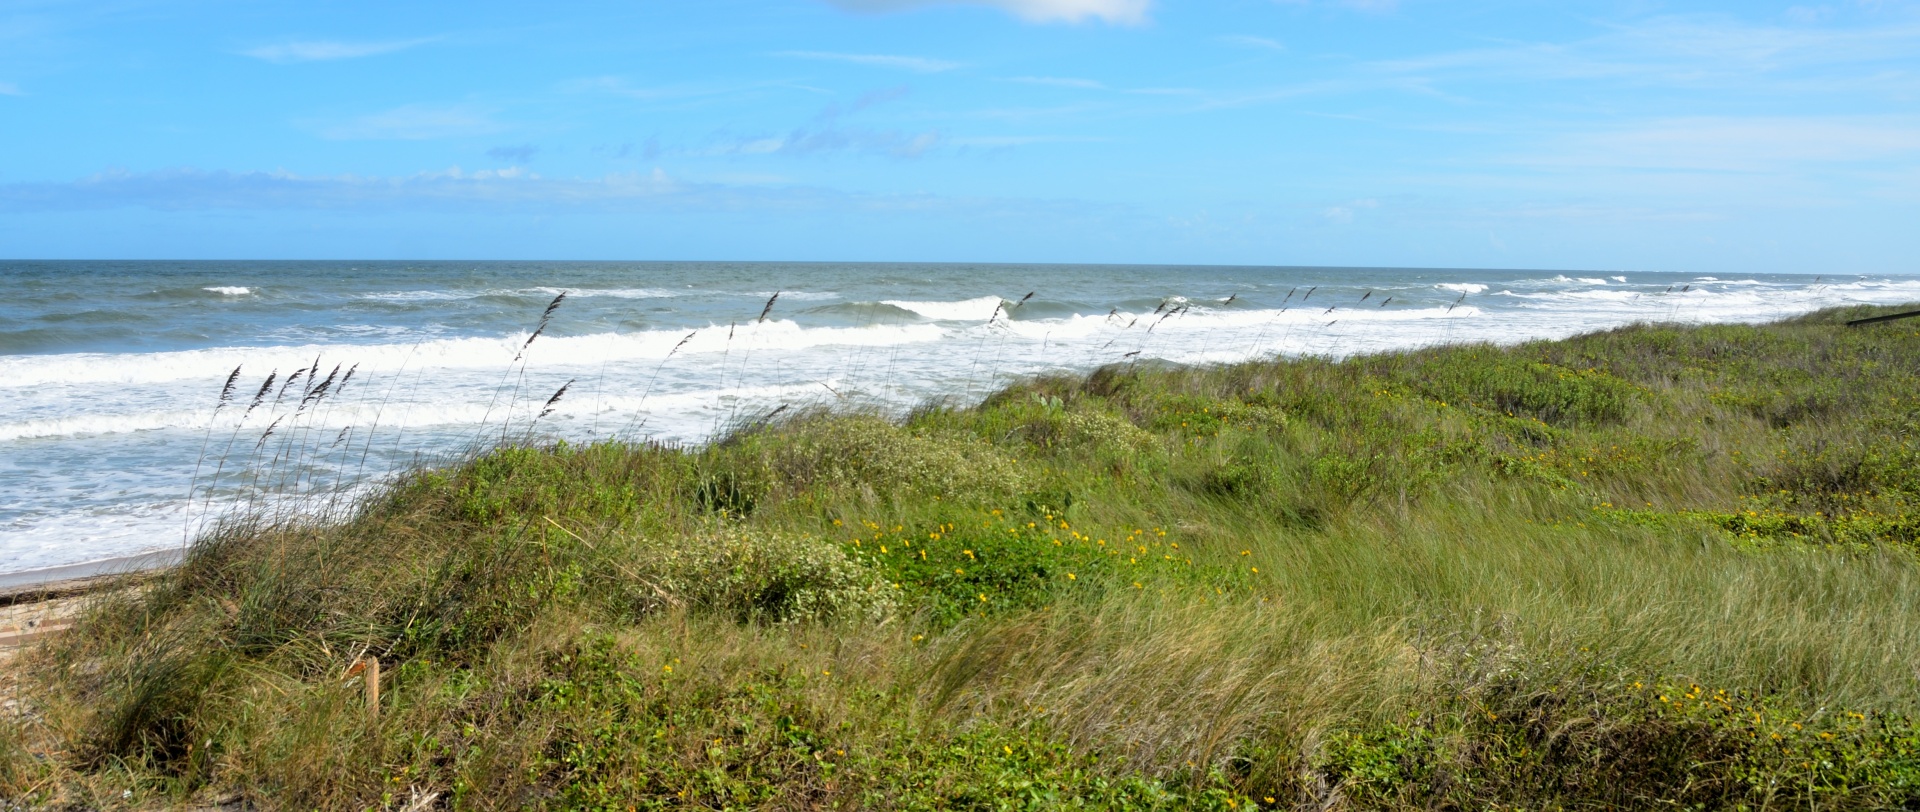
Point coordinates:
[[196, 189], [916, 64], [827, 134], [485, 191], [329, 50], [1123, 12], [10, 89], [1691, 53], [1056, 81], [518, 154], [1343, 214], [414, 122], [831, 139], [1676, 51], [1362, 5], [683, 92], [1009, 141], [1771, 144], [1247, 41]]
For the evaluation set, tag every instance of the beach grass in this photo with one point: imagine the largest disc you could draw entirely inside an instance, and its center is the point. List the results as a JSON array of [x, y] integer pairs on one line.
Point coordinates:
[[1655, 566]]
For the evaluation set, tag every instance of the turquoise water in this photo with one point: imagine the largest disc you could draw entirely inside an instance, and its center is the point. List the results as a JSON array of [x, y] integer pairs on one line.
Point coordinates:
[[112, 372]]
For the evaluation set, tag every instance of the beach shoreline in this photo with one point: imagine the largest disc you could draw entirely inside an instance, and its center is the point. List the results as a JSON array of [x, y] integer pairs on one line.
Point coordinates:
[[26, 586]]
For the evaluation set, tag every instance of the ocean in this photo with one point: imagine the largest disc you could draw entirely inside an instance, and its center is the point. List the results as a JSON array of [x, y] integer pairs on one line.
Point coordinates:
[[115, 438]]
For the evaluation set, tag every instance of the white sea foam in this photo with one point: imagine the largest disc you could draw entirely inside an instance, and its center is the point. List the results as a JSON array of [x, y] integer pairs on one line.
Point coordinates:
[[229, 290], [1620, 279], [1462, 287]]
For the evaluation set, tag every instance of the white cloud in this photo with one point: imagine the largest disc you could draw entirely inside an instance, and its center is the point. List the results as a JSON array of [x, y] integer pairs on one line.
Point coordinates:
[[10, 89], [912, 63], [414, 122], [1123, 12], [323, 51]]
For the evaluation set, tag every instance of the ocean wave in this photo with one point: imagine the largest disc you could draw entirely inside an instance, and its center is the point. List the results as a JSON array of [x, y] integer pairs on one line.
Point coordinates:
[[229, 290], [85, 425], [1911, 285], [539, 292], [418, 296], [1462, 287], [426, 409], [448, 353], [796, 295], [976, 309], [612, 293], [864, 312], [76, 536], [1199, 322]]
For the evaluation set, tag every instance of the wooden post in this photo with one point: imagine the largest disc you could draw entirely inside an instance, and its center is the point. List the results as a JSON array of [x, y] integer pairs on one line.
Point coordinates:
[[373, 687]]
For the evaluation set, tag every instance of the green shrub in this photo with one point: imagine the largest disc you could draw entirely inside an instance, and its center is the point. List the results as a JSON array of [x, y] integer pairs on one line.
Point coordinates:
[[757, 575], [1507, 383], [869, 456]]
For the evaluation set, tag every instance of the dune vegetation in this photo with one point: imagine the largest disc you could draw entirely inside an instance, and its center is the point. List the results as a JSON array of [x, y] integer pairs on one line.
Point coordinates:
[[1659, 566]]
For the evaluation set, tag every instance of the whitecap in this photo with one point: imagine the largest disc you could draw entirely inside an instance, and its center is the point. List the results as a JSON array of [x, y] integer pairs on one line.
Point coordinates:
[[229, 290], [417, 296], [1462, 287]]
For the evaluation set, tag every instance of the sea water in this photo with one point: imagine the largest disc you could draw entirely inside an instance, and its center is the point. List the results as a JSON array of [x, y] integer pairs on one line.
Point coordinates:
[[115, 439]]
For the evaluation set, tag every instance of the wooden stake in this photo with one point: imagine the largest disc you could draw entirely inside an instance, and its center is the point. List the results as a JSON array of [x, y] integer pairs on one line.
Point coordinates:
[[373, 686]]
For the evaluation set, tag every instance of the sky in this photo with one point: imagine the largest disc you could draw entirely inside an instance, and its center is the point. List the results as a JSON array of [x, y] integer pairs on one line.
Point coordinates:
[[1583, 134]]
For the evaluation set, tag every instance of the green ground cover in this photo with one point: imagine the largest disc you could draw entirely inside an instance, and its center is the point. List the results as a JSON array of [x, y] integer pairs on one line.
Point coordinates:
[[1652, 567]]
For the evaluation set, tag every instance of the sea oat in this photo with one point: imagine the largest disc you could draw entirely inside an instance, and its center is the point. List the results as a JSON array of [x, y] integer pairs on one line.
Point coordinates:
[[265, 387], [558, 393], [226, 391]]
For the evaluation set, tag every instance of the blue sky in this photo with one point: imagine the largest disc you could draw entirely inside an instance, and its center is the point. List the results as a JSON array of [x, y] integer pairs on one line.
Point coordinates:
[[1632, 134]]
